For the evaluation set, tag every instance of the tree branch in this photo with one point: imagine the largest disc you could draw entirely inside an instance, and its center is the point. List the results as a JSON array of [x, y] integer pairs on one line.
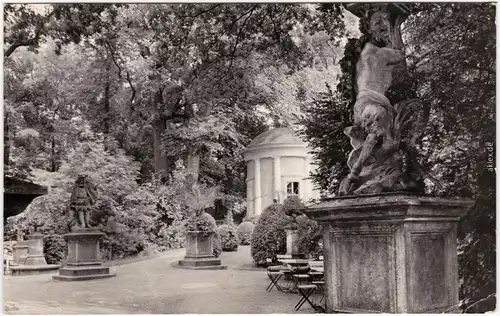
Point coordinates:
[[235, 47], [19, 43], [114, 61], [481, 300], [28, 42], [133, 89]]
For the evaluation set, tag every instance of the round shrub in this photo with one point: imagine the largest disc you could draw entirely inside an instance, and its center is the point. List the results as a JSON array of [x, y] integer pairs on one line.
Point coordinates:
[[269, 237], [229, 238], [244, 232], [292, 203], [217, 246], [254, 219], [203, 222]]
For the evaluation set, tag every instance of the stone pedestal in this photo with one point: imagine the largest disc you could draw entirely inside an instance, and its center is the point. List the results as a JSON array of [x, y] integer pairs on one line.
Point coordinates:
[[292, 249], [199, 252], [84, 257], [34, 261], [35, 250], [392, 253], [20, 252]]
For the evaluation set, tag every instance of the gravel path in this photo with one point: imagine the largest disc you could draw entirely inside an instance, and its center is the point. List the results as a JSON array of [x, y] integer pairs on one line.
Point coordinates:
[[154, 286]]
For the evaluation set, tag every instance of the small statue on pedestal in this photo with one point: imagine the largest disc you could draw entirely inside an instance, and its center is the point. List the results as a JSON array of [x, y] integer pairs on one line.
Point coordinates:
[[82, 200]]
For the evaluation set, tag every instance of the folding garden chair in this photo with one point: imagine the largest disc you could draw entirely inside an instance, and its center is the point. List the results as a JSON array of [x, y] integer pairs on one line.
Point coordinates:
[[274, 273], [306, 290]]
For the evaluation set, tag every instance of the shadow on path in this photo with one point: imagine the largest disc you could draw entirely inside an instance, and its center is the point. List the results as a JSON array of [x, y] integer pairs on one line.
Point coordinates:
[[154, 286]]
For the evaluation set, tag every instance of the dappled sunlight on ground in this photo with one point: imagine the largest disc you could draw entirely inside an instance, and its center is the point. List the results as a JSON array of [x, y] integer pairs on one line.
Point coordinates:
[[154, 286]]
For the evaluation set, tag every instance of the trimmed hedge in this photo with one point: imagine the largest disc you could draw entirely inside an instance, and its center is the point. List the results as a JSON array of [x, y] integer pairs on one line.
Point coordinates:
[[244, 232], [229, 237], [269, 237]]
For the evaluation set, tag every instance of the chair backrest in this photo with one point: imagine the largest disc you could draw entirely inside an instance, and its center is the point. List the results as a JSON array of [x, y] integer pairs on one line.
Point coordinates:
[[317, 265]]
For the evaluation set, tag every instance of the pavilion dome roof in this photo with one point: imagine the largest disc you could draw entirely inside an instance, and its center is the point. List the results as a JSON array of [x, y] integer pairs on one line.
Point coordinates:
[[277, 136]]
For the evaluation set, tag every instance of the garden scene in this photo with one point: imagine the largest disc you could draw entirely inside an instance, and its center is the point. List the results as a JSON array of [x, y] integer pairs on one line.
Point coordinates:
[[249, 158]]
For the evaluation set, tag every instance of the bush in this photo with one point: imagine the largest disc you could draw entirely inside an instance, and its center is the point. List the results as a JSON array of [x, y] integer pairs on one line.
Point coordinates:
[[292, 203], [269, 237], [254, 219], [229, 238], [55, 250], [217, 246], [244, 232], [310, 239], [203, 222]]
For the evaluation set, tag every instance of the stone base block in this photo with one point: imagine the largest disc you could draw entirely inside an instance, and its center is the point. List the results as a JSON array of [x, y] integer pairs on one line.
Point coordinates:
[[20, 252], [84, 260], [38, 260], [83, 277], [83, 273], [201, 264], [390, 253], [34, 269]]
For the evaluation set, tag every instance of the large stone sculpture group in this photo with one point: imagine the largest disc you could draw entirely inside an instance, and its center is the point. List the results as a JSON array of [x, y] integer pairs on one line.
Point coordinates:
[[387, 246], [380, 131]]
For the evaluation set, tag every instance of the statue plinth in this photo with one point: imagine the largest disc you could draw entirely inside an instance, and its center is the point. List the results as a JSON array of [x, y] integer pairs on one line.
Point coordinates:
[[390, 253], [199, 252], [32, 261], [35, 250], [20, 252], [292, 249], [84, 258]]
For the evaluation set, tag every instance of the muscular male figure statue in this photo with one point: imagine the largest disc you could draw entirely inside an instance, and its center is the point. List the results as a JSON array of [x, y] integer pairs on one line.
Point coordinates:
[[373, 113]]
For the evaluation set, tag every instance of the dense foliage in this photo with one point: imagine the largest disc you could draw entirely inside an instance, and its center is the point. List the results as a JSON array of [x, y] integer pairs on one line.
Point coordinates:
[[229, 237], [134, 218], [245, 231], [269, 237], [310, 238], [450, 51]]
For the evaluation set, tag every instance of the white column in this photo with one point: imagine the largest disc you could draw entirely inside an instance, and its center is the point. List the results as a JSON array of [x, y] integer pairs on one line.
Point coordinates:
[[250, 199], [256, 187], [277, 178], [306, 194]]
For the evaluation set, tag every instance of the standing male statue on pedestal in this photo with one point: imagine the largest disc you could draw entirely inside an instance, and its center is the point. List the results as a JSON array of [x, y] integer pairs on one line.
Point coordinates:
[[82, 200], [84, 260]]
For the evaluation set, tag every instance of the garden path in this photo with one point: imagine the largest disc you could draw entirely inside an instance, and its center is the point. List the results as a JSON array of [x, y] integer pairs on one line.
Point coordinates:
[[154, 287]]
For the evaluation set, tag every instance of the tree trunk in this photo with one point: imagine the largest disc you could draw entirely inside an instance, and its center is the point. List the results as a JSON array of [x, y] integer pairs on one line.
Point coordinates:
[[6, 140], [193, 164], [53, 167], [160, 156], [107, 113]]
